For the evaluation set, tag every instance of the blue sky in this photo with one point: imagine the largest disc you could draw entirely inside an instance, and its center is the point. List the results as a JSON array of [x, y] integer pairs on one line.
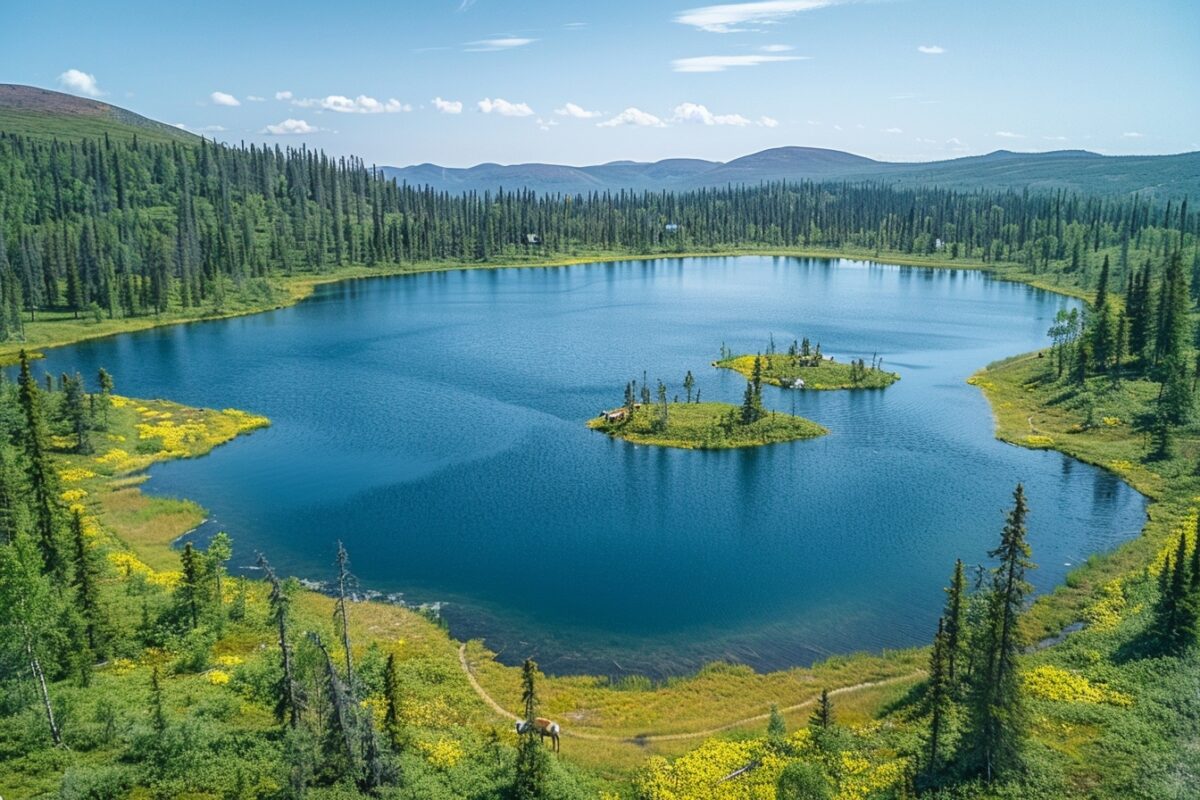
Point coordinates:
[[457, 82]]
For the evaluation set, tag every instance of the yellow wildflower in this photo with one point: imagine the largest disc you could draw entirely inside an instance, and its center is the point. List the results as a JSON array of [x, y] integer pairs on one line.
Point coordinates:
[[1048, 682]]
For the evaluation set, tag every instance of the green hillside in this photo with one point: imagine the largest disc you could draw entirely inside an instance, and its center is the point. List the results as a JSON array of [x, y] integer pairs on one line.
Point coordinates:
[[30, 111]]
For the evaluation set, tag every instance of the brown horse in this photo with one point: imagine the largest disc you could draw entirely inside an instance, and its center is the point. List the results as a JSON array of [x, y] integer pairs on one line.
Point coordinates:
[[543, 727]]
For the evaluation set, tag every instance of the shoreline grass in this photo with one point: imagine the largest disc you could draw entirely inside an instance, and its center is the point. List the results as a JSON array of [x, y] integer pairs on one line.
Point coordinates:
[[57, 328]]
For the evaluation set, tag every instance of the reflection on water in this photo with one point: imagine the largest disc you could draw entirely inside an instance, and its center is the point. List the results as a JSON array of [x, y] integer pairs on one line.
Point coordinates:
[[435, 424]]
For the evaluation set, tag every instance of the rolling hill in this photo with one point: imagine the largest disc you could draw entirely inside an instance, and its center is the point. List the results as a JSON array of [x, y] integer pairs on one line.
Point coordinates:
[[1159, 177], [30, 111]]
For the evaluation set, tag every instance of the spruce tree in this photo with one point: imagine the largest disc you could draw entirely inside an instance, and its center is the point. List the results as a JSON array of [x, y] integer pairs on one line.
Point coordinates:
[[42, 478], [287, 691], [992, 745], [954, 619], [85, 580], [531, 767], [939, 699]]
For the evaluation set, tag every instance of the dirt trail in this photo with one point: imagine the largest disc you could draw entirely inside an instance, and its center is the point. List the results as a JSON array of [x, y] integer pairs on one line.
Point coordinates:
[[668, 737]]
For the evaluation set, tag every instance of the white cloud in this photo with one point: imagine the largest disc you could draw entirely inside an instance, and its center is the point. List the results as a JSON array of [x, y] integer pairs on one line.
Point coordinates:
[[490, 45], [253, 98], [696, 113], [633, 116], [931, 49], [1055, 138], [575, 25], [770, 122], [578, 112], [892, 130], [283, 95], [956, 144], [727, 17], [289, 127], [722, 63], [1009, 135], [1132, 135], [776, 48], [504, 108], [224, 99], [78, 81], [546, 124], [357, 105], [447, 106]]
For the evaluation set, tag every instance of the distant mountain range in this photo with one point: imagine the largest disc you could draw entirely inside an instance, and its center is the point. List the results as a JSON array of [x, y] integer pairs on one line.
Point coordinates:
[[32, 111], [1077, 170]]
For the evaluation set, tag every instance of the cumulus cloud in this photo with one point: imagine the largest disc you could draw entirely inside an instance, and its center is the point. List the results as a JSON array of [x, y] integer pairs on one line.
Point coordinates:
[[224, 99], [931, 49], [735, 17], [356, 105], [503, 43], [633, 116], [1009, 135], [447, 106], [722, 63], [283, 95], [253, 98], [82, 82], [290, 127], [546, 124], [955, 143], [504, 108], [771, 122], [578, 112], [696, 113]]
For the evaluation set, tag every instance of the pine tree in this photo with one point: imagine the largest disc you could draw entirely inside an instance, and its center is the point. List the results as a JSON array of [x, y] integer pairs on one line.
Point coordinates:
[[339, 755], [995, 736], [689, 383], [158, 714], [105, 382], [391, 689]]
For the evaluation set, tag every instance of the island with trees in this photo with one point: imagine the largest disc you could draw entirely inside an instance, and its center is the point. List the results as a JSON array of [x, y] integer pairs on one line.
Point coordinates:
[[650, 418], [803, 366]]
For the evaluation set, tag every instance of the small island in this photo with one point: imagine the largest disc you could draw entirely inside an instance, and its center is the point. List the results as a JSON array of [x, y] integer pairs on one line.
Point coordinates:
[[693, 425], [804, 367]]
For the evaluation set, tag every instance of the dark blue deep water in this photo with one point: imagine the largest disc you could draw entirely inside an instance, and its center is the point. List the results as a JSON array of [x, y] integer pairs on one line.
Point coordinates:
[[435, 424]]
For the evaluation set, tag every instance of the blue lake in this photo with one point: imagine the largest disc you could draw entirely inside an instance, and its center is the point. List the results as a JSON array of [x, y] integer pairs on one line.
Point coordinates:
[[435, 424]]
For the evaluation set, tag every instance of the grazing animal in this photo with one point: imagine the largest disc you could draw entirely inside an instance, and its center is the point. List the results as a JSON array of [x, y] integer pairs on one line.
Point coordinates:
[[543, 727]]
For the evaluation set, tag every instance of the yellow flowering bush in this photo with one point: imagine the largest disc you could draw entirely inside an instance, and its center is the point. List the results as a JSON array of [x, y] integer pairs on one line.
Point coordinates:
[[116, 401], [1112, 422], [445, 753], [62, 442], [376, 706], [1039, 440], [229, 660], [121, 666], [218, 677], [1120, 465], [73, 495], [75, 474], [1048, 682], [1105, 613]]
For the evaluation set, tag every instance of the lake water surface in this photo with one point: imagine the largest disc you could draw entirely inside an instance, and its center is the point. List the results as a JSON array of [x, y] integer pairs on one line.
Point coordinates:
[[435, 424]]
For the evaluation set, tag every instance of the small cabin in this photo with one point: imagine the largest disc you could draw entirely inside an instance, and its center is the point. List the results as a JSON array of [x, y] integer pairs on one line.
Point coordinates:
[[616, 415], [533, 239]]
